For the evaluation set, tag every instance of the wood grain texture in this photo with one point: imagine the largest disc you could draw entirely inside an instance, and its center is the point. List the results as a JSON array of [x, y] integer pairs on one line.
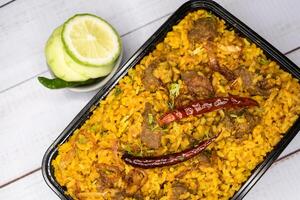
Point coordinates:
[[26, 25], [294, 56], [48, 127], [280, 182], [275, 20], [5, 2], [42, 114], [32, 187]]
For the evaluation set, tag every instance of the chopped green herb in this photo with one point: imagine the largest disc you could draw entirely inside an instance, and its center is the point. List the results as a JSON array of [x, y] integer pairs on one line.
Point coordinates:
[[165, 129], [158, 128], [141, 150], [150, 119], [103, 132], [210, 14], [132, 74], [206, 135], [263, 61], [207, 152], [150, 151], [174, 92], [155, 128], [94, 127], [139, 154], [118, 91], [129, 150]]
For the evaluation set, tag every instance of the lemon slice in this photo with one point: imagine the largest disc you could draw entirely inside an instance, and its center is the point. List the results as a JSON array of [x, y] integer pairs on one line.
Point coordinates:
[[90, 40]]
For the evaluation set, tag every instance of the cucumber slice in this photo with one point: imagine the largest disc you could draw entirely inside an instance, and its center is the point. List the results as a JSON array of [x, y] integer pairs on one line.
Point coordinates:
[[55, 56], [86, 71]]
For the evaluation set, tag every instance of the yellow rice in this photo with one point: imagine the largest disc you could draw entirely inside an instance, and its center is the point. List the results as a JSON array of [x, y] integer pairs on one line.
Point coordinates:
[[117, 123]]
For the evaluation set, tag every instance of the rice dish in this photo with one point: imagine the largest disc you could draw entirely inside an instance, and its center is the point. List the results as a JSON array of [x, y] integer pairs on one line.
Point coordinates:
[[200, 58]]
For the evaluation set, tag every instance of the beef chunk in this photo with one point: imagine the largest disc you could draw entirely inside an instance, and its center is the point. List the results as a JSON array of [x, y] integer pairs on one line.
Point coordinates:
[[150, 82], [203, 29], [197, 84]]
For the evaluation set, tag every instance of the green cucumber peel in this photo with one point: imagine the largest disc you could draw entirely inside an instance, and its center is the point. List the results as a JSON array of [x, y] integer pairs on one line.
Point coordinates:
[[57, 83]]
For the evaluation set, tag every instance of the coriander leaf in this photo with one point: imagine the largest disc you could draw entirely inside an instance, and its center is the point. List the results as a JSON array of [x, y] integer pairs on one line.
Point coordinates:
[[174, 89], [150, 119], [118, 91], [263, 61], [171, 104]]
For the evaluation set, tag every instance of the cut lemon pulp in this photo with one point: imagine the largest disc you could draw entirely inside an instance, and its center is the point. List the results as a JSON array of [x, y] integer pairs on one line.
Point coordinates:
[[90, 40]]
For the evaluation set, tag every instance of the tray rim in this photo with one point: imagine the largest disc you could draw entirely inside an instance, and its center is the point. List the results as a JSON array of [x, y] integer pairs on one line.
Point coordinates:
[[189, 6]]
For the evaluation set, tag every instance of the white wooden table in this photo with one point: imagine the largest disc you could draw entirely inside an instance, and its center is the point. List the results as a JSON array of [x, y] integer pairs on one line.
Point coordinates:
[[31, 117]]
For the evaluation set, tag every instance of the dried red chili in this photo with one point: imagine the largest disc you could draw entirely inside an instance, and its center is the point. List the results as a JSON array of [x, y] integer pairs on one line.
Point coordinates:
[[206, 105], [169, 159]]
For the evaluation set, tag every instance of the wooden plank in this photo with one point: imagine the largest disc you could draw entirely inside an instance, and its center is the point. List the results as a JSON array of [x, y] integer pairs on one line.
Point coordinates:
[[280, 182], [26, 25], [275, 20], [293, 146], [42, 114], [30, 99], [37, 128], [5, 2], [32, 187]]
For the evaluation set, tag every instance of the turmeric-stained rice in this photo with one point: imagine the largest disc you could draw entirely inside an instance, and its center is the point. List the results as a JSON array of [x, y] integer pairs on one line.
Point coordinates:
[[200, 58]]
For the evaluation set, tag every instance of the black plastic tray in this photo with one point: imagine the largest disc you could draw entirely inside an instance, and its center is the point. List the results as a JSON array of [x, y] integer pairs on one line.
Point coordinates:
[[146, 48]]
